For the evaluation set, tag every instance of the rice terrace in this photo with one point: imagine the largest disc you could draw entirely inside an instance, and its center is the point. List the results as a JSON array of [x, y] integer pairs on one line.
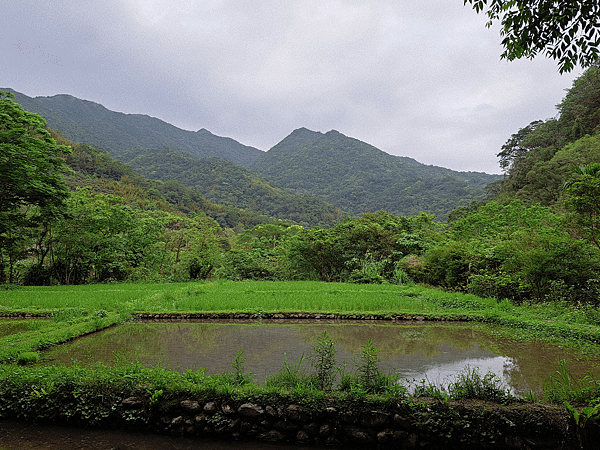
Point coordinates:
[[546, 356]]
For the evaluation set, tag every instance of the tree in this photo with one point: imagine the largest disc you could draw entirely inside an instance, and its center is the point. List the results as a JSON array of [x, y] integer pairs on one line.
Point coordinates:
[[585, 199], [32, 190], [564, 30]]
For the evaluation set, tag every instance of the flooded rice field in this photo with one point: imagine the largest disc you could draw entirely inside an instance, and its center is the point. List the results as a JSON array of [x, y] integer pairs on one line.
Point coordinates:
[[432, 351], [14, 326]]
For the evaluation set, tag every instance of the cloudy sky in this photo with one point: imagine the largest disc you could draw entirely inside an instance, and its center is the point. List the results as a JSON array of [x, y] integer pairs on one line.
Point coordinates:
[[421, 79]]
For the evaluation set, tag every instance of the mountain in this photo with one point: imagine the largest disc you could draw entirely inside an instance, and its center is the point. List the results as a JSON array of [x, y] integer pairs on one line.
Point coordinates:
[[358, 177], [351, 175], [228, 184], [92, 123], [99, 171]]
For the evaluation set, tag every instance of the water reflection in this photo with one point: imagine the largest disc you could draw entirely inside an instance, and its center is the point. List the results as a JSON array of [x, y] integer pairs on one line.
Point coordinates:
[[436, 352]]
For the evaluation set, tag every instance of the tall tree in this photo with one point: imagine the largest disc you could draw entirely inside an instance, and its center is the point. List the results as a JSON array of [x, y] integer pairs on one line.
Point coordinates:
[[565, 30], [585, 199], [32, 190]]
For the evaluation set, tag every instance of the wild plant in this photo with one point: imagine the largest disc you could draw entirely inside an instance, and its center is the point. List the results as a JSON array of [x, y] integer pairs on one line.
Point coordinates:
[[239, 377], [430, 390], [367, 368], [562, 387], [154, 396], [290, 376], [471, 385], [323, 360], [28, 358]]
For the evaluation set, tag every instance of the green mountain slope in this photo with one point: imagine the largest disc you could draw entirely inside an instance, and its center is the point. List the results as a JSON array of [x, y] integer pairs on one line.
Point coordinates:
[[353, 176], [99, 171], [225, 183], [358, 177], [92, 123]]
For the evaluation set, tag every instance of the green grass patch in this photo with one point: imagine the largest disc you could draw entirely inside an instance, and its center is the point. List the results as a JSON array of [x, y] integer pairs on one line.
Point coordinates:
[[573, 326]]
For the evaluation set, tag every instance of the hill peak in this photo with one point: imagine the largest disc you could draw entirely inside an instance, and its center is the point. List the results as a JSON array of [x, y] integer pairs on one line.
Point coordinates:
[[116, 132]]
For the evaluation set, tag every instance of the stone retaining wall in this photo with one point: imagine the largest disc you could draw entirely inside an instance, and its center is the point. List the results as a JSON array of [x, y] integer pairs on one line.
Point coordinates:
[[439, 426]]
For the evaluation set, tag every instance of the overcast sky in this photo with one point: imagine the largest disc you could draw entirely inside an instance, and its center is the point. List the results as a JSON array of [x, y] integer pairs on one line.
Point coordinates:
[[421, 79]]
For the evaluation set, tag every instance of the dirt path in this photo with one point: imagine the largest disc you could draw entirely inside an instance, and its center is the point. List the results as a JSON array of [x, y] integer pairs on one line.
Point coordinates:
[[24, 436]]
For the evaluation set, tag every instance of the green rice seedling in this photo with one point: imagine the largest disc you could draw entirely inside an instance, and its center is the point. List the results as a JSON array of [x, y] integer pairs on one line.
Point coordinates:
[[28, 358], [571, 325], [34, 325]]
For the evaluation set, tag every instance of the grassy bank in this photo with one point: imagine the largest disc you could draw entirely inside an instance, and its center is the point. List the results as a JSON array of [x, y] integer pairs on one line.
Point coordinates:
[[132, 397]]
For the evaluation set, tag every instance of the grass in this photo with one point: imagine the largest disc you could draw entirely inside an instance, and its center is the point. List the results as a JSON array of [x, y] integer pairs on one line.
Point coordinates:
[[554, 322], [76, 310]]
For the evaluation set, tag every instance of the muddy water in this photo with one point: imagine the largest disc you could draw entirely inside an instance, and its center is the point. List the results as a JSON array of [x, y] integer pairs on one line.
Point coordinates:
[[13, 326], [22, 436], [435, 352]]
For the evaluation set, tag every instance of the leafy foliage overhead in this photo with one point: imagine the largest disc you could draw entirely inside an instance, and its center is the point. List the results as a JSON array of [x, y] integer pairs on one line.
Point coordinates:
[[92, 123], [358, 177], [564, 30]]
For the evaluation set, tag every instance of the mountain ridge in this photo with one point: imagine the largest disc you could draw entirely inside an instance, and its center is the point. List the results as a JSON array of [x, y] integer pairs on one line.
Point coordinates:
[[349, 174], [358, 177], [116, 132]]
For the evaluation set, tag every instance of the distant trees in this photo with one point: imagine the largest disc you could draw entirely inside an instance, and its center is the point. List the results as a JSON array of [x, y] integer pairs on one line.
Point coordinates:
[[103, 239], [360, 249], [32, 188], [564, 30]]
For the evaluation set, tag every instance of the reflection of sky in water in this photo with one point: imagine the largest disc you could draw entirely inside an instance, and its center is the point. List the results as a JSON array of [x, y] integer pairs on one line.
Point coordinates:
[[446, 373], [443, 368]]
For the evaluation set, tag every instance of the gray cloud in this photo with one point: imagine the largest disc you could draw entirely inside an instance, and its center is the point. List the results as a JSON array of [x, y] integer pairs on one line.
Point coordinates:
[[418, 79]]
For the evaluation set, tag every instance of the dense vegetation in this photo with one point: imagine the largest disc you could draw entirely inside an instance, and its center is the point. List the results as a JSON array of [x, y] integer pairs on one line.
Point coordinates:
[[225, 183], [358, 177], [536, 240], [349, 174]]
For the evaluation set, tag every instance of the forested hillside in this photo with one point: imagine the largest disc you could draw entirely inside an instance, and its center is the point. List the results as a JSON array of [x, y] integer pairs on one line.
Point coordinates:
[[225, 183], [358, 177], [538, 240], [99, 171], [349, 174], [539, 158], [92, 123]]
